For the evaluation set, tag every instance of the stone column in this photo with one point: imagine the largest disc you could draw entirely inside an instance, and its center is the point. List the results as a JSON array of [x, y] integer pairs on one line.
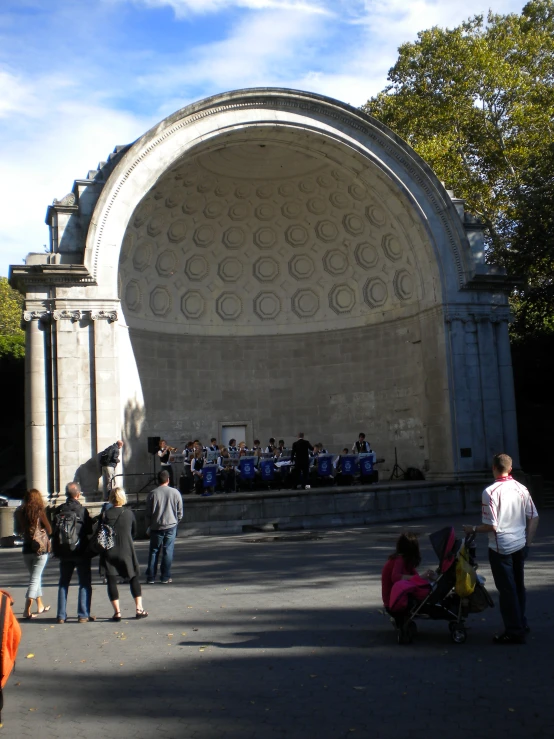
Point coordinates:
[[462, 397], [36, 402], [73, 405], [475, 400], [490, 390], [106, 375], [507, 393]]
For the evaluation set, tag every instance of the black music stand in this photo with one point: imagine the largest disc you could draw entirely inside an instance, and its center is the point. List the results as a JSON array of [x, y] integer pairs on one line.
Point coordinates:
[[397, 471]]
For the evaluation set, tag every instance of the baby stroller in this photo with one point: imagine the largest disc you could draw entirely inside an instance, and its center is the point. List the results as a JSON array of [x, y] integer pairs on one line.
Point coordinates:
[[442, 602]]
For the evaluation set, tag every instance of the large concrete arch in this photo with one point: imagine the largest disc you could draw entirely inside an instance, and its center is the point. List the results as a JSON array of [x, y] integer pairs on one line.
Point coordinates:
[[275, 257]]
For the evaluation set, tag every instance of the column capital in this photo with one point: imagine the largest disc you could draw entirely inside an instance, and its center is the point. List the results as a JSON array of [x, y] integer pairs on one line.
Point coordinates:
[[36, 315], [108, 315], [67, 315]]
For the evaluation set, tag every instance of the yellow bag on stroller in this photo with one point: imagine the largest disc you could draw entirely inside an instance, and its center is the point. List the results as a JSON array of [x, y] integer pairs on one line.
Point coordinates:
[[465, 574]]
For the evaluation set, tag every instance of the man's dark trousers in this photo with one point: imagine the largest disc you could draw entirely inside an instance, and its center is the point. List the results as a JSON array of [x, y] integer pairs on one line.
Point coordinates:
[[507, 572]]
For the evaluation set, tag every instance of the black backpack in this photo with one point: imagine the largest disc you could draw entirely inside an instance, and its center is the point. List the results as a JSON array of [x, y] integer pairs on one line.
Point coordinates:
[[67, 528], [105, 457]]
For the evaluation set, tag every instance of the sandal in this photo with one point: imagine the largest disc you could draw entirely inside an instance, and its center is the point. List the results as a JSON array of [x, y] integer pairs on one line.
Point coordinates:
[[30, 616], [116, 616], [44, 610], [141, 614]]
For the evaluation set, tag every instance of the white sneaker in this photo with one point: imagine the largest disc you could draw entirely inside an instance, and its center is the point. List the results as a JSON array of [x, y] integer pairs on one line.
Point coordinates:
[[308, 487]]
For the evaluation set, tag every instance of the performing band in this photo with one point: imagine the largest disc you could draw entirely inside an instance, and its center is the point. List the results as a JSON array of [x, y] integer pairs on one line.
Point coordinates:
[[218, 468]]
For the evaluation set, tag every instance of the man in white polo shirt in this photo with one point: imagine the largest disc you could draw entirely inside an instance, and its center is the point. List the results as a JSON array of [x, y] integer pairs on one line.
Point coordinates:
[[511, 519]]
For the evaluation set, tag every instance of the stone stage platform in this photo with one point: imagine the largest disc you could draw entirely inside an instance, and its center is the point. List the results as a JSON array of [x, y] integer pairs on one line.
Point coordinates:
[[286, 510]]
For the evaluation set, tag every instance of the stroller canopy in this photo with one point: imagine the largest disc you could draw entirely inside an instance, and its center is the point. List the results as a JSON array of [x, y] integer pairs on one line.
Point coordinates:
[[446, 546]]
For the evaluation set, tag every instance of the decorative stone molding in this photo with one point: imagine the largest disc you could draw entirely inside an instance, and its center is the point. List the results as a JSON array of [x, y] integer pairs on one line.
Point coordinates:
[[67, 315], [68, 199]]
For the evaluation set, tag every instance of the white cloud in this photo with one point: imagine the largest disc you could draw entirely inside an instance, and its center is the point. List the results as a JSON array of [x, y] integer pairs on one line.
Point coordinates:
[[47, 140], [185, 7]]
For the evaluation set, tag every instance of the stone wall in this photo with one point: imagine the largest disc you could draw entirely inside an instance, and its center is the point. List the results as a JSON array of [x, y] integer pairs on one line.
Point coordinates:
[[330, 385]]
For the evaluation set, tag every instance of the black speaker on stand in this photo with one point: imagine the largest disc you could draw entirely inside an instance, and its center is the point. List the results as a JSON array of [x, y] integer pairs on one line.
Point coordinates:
[[153, 448], [153, 444]]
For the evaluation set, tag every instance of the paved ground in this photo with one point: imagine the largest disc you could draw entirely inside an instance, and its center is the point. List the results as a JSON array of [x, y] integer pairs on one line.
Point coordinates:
[[282, 638]]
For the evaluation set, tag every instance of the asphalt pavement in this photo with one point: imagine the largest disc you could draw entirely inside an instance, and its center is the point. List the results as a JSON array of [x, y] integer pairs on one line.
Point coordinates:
[[267, 635]]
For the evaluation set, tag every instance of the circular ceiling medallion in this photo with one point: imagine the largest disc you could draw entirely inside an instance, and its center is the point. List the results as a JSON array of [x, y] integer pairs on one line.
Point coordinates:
[[357, 191], [213, 209], [133, 295], [239, 211], [265, 237], [392, 247], [316, 206], [375, 292], [177, 231], [376, 214], [403, 284], [335, 262], [292, 209], [366, 255], [296, 235], [327, 231], [342, 299], [142, 255], [267, 306], [265, 191], [192, 304], [197, 267], [265, 212], [353, 224], [230, 269], [166, 264], [228, 306], [160, 301], [301, 267], [193, 203], [265, 269], [305, 303], [339, 199], [233, 238], [204, 235]]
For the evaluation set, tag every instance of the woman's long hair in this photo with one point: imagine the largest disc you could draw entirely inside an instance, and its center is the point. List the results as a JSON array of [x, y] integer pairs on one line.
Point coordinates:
[[32, 508], [407, 546]]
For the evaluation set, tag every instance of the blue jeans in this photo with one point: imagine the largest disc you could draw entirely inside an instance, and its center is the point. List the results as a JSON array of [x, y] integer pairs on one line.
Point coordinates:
[[161, 541], [35, 564], [67, 567], [507, 571]]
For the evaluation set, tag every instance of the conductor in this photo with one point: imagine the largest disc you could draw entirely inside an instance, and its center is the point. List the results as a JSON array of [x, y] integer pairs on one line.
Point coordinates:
[[300, 458]]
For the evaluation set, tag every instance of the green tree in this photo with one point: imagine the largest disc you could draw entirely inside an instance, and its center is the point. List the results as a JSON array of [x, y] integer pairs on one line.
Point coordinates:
[[477, 103], [12, 338]]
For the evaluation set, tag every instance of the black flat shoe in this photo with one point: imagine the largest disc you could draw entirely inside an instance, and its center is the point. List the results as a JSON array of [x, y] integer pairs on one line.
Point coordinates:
[[508, 639], [142, 614], [116, 616]]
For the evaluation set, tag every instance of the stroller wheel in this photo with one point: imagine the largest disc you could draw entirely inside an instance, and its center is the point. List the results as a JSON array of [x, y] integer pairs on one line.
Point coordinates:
[[458, 632]]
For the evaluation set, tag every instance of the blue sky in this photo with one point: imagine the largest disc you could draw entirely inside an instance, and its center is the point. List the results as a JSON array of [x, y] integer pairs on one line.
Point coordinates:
[[77, 78]]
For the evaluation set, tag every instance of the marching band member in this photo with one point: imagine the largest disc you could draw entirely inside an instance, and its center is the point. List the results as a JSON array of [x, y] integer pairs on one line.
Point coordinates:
[[361, 446], [232, 445], [270, 448], [227, 472], [213, 445], [163, 453], [196, 465]]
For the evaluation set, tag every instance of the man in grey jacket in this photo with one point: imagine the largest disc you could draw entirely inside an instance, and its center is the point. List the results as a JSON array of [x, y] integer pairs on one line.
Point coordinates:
[[164, 510]]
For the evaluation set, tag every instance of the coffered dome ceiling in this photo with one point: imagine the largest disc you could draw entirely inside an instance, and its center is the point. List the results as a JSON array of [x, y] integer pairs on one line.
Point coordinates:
[[263, 239]]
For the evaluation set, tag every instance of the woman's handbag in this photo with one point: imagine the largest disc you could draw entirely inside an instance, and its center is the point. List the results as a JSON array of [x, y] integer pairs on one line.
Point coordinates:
[[40, 543]]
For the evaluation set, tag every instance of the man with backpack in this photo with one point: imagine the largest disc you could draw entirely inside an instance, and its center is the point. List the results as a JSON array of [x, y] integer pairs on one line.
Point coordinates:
[[72, 527], [109, 459]]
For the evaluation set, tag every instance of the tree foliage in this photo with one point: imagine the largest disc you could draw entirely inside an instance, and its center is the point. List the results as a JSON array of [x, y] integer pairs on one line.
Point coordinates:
[[12, 338], [477, 103]]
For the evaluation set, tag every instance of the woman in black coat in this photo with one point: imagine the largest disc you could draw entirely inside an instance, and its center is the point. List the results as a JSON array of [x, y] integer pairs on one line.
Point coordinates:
[[121, 559]]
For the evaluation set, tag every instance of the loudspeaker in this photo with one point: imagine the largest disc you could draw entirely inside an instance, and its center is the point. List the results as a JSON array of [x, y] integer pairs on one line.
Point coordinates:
[[153, 444]]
